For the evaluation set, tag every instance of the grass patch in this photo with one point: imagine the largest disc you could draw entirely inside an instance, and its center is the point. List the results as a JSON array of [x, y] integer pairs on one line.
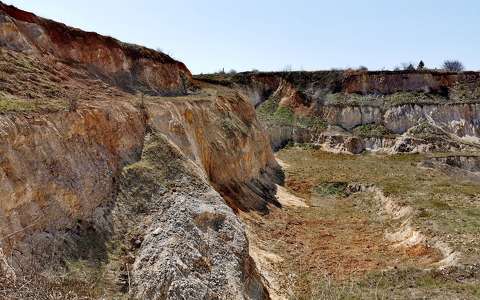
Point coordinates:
[[331, 189], [270, 113], [401, 98], [284, 116], [371, 131], [450, 203], [312, 123]]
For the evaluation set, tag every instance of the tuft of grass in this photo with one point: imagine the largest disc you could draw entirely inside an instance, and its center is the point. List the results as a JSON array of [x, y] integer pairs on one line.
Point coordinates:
[[284, 116], [331, 189]]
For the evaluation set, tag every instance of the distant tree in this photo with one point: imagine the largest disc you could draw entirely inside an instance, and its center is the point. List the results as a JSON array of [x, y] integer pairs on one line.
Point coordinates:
[[232, 72], [453, 66], [396, 68], [421, 65], [255, 71], [362, 68], [408, 66]]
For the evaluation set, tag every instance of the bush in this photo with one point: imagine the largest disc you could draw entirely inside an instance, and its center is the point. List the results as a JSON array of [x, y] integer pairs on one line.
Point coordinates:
[[453, 66], [371, 130]]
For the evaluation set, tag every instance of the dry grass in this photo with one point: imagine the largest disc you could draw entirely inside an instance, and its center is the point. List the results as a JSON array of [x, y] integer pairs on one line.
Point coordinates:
[[337, 248]]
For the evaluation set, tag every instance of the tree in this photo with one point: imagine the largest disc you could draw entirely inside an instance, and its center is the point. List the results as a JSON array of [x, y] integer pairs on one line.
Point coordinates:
[[362, 68], [453, 66], [408, 66], [421, 65]]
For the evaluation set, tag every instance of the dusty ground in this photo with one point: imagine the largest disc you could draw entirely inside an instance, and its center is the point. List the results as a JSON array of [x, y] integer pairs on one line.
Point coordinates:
[[336, 248]]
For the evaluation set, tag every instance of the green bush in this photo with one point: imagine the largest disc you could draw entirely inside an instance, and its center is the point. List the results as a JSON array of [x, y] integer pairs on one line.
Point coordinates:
[[371, 130]]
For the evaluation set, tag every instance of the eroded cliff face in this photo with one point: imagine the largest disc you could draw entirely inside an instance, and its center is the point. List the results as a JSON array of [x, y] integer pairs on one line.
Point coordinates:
[[93, 173], [219, 130], [299, 106], [59, 167], [62, 168], [128, 66]]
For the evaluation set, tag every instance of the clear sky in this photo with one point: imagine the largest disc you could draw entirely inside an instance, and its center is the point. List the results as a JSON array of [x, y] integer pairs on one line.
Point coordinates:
[[271, 34]]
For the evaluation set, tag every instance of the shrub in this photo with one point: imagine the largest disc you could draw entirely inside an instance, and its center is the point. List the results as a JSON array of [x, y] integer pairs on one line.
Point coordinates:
[[453, 66], [371, 130]]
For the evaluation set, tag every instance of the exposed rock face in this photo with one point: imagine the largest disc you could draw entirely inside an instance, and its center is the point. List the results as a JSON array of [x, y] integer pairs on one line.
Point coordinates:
[[167, 172], [60, 167], [128, 66], [406, 81], [396, 101], [468, 163], [216, 132], [194, 247]]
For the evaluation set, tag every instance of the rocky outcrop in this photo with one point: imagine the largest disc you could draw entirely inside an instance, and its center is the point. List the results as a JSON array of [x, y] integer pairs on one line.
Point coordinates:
[[222, 131], [460, 166], [314, 84], [128, 66], [57, 168], [192, 244], [384, 82], [204, 156], [90, 171], [396, 101]]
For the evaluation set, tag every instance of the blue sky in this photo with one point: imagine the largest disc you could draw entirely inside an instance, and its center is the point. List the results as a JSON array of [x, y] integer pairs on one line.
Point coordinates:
[[269, 35]]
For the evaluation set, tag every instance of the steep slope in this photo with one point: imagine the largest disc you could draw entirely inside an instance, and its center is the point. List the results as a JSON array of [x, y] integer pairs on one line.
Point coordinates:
[[128, 66], [95, 177], [376, 110]]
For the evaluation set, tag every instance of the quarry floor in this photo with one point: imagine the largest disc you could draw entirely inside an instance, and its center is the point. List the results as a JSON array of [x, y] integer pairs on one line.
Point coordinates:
[[325, 243]]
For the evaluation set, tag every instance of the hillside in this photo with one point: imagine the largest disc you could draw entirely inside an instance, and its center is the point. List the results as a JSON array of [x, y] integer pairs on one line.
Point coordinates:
[[109, 150], [353, 111]]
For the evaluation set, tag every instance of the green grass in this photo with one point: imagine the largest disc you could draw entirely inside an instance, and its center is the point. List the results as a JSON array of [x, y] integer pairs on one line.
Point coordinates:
[[312, 123], [400, 98], [331, 189], [444, 207], [371, 131], [284, 116], [445, 200], [270, 113]]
